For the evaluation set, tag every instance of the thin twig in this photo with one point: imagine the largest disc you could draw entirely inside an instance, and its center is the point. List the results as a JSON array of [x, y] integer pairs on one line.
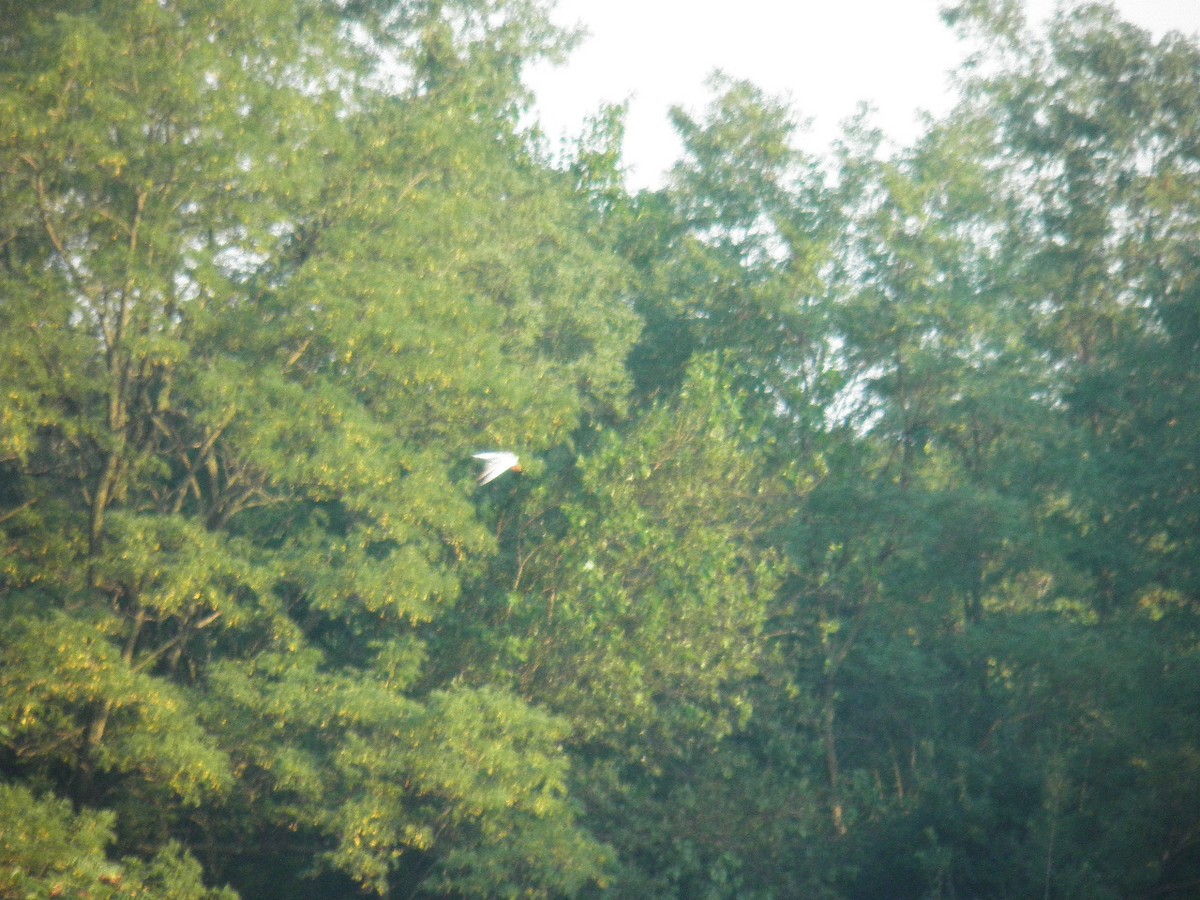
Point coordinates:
[[17, 510]]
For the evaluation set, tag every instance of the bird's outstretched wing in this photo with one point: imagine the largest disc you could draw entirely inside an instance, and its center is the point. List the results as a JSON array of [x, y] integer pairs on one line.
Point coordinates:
[[496, 464]]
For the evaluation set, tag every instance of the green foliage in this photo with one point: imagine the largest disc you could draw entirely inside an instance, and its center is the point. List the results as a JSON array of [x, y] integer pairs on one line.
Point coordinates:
[[855, 548], [47, 850], [730, 257], [64, 682], [647, 609], [260, 309]]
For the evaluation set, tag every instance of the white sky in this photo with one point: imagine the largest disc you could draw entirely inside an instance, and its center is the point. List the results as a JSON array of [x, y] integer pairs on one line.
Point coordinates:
[[824, 56]]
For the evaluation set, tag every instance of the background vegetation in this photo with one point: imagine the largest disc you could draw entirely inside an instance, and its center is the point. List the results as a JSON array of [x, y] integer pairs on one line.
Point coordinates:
[[857, 552]]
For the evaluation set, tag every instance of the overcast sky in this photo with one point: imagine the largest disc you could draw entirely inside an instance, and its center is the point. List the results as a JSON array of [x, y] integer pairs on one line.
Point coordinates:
[[825, 56]]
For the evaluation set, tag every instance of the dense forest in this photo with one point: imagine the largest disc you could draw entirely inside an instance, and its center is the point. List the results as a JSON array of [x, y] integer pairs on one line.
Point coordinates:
[[856, 547]]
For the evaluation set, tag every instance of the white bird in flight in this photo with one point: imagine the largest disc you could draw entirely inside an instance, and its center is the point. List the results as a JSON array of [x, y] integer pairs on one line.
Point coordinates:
[[496, 464]]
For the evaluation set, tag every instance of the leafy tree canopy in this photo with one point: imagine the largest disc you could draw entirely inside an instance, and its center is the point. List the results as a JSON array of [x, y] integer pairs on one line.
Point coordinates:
[[854, 551]]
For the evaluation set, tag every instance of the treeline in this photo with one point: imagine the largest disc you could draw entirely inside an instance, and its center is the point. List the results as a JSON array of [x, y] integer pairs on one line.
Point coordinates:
[[856, 552]]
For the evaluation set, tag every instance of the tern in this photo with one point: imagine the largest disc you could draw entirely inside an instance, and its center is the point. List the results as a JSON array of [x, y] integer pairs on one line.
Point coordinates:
[[496, 464]]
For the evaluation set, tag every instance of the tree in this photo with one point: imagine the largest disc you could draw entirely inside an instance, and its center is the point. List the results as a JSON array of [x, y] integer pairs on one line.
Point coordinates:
[[855, 549], [730, 256], [235, 476], [47, 850]]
